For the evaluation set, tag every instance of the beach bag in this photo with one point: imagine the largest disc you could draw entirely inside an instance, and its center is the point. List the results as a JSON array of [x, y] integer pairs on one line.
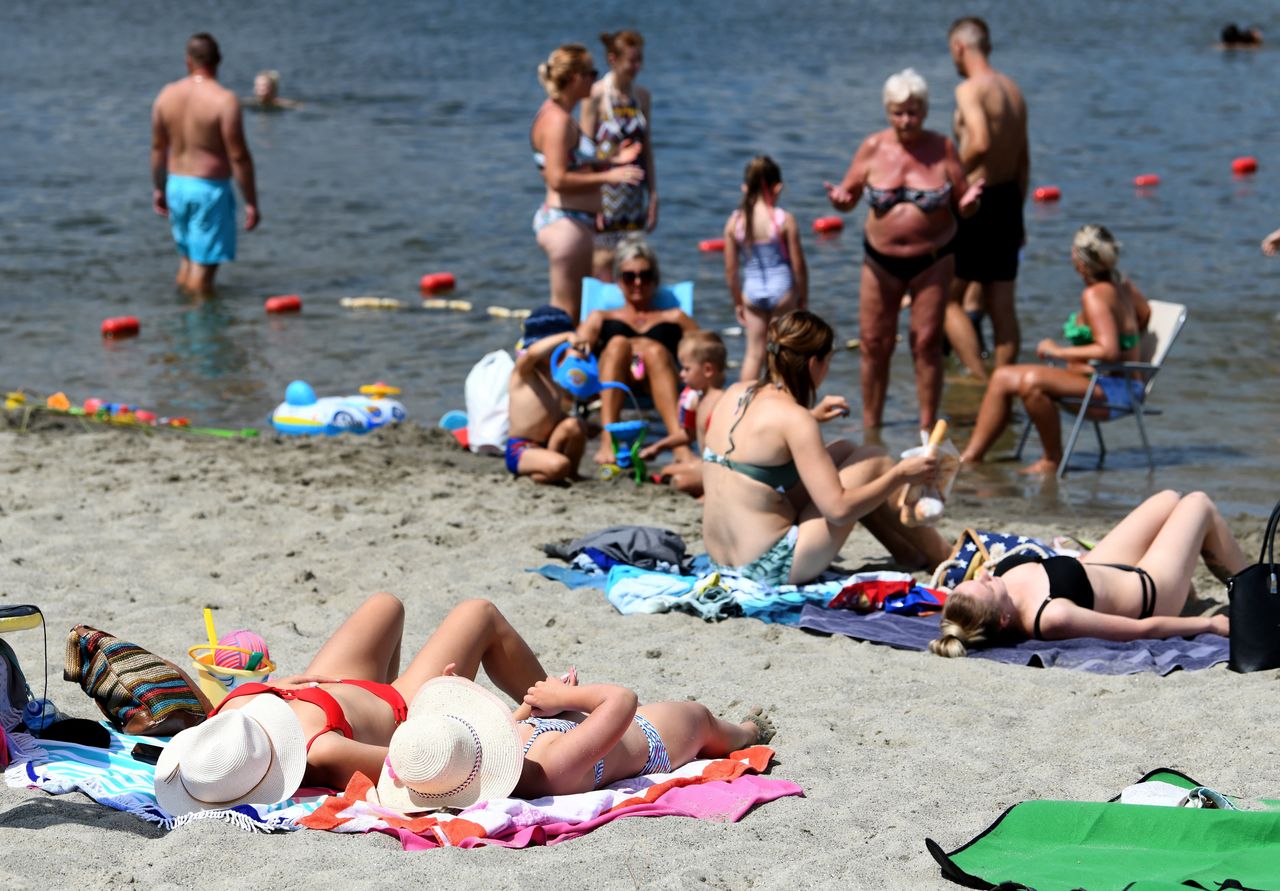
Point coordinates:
[[14, 692], [137, 691], [1255, 608], [978, 549], [487, 411]]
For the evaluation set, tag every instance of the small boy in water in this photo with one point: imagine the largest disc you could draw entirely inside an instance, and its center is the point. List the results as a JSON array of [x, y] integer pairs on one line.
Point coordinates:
[[702, 364], [544, 442]]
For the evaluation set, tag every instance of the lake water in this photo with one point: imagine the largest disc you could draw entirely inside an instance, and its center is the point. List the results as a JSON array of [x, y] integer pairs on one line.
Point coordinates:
[[411, 156]]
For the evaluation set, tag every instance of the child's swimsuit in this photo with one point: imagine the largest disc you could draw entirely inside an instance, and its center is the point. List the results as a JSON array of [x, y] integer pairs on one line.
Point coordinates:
[[659, 761], [688, 404], [624, 206], [334, 718], [766, 269], [1068, 579], [517, 445], [582, 155]]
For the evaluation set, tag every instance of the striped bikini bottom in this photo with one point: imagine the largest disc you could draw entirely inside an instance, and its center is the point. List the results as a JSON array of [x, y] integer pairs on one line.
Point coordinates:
[[659, 761]]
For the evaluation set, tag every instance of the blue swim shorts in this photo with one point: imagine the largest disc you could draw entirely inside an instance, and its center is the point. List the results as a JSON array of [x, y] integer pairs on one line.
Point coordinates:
[[202, 213], [1122, 392]]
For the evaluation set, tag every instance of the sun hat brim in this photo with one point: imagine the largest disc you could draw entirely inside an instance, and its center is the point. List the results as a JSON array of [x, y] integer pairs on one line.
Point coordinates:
[[282, 778], [499, 740]]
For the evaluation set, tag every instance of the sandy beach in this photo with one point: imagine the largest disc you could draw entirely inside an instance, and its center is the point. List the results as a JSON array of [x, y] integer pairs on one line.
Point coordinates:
[[135, 533]]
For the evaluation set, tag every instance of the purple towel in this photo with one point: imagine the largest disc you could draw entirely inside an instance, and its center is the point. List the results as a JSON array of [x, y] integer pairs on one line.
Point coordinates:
[[1083, 653]]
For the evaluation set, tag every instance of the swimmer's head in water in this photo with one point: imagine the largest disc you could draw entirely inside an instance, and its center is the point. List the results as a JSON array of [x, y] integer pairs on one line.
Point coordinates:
[[564, 65], [796, 339], [203, 52], [266, 86], [1096, 252]]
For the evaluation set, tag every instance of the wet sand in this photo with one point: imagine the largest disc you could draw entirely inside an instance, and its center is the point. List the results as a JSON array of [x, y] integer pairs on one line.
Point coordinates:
[[135, 533]]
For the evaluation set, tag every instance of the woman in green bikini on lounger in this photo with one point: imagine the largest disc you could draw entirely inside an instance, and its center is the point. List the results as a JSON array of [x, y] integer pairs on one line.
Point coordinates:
[[780, 503], [1113, 314]]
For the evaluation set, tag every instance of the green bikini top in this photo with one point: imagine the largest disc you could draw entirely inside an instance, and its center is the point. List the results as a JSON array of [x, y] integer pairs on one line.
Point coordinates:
[[1081, 334], [779, 477]]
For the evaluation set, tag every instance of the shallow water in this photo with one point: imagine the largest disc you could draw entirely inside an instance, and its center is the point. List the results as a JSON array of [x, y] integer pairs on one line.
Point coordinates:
[[411, 155]]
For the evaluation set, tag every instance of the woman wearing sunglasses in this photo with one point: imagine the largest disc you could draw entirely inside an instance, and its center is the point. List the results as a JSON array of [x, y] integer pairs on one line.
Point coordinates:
[[565, 224], [636, 344]]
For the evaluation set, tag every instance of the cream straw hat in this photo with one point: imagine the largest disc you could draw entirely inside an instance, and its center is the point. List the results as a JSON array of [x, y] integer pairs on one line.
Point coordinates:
[[458, 746], [250, 755]]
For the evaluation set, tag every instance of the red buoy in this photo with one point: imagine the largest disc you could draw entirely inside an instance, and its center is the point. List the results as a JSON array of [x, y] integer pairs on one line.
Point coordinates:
[[142, 416], [434, 282], [711, 245], [1047, 193], [1146, 180], [284, 303], [1242, 166], [120, 326], [828, 224]]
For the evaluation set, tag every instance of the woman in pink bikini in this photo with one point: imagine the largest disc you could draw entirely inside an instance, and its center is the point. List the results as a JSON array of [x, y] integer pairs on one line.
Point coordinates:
[[317, 729]]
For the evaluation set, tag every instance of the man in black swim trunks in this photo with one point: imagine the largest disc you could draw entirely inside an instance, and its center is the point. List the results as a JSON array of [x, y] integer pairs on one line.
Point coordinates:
[[991, 131]]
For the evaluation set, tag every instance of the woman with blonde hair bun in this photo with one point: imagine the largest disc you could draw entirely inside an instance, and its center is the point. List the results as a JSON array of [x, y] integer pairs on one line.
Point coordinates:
[[1132, 586], [1113, 314], [565, 223]]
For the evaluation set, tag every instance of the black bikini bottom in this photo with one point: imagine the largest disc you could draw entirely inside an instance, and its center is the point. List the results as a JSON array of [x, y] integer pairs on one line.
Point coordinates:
[[904, 269]]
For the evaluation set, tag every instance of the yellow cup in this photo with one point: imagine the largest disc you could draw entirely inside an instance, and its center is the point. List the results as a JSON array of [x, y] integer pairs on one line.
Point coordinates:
[[216, 681]]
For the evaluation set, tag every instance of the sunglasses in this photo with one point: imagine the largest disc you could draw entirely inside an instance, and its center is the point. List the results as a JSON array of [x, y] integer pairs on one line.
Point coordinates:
[[644, 276]]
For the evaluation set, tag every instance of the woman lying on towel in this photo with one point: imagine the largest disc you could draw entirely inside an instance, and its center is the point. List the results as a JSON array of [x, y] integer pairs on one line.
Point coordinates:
[[779, 501], [461, 744], [320, 727], [1131, 586]]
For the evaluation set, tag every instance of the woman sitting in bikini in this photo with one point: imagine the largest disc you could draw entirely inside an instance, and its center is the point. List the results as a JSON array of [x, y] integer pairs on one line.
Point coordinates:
[[320, 727], [462, 744], [1132, 586], [779, 502], [1113, 314], [637, 344], [916, 188]]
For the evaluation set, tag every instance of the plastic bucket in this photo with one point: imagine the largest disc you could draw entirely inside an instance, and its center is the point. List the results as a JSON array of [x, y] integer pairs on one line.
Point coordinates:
[[216, 681]]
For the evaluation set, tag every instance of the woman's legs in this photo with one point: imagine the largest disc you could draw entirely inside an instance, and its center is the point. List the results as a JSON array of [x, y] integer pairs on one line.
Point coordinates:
[[615, 367], [474, 633], [1038, 386], [928, 314], [664, 386], [568, 248], [367, 645], [878, 302], [689, 731], [961, 330]]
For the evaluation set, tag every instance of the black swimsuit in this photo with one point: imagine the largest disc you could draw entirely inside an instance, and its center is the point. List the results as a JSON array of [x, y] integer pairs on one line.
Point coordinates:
[[666, 333], [1068, 579]]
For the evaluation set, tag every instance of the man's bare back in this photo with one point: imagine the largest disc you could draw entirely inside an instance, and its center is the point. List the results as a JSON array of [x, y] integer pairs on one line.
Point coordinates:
[[196, 114], [1002, 129]]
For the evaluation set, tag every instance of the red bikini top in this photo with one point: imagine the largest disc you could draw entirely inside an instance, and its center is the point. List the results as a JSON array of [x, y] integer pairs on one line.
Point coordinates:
[[334, 717]]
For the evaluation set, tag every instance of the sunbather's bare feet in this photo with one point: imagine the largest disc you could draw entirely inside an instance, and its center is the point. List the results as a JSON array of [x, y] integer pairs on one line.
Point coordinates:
[[758, 722], [604, 454], [1043, 467]]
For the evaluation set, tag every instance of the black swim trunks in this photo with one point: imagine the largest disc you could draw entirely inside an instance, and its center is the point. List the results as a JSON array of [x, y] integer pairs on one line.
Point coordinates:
[[988, 242]]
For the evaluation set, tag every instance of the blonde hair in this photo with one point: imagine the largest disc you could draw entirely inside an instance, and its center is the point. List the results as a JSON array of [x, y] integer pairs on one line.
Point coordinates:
[[906, 84], [705, 346], [635, 248], [966, 623], [562, 66], [1098, 251], [271, 75]]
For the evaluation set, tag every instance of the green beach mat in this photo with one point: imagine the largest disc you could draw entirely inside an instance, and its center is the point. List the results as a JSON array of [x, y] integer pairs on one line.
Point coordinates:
[[1098, 846]]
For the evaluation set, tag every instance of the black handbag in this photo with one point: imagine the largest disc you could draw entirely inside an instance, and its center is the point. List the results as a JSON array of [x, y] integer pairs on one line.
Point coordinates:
[[1255, 608]]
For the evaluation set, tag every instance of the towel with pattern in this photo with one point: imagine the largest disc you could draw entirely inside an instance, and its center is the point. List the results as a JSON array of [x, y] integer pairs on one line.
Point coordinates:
[[722, 790]]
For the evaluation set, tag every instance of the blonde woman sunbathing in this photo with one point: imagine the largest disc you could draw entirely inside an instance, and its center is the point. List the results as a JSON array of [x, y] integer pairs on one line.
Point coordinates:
[[320, 727], [461, 744], [1132, 586]]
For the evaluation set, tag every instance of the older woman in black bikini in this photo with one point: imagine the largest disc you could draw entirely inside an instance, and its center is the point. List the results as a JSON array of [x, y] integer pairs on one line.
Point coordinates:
[[1132, 586], [637, 344], [916, 188]]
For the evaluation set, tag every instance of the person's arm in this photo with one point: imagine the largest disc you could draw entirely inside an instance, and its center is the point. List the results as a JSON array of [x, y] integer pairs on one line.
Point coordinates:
[[844, 196], [841, 506], [589, 116], [557, 142], [799, 269], [241, 161], [1141, 307], [650, 168], [830, 408], [610, 710], [1271, 244], [1097, 301], [706, 405], [1063, 619], [528, 361], [731, 271], [1024, 170], [159, 160], [589, 329], [977, 135], [966, 197]]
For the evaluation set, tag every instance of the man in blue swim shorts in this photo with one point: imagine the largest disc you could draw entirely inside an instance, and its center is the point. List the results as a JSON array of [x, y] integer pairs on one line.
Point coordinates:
[[197, 147]]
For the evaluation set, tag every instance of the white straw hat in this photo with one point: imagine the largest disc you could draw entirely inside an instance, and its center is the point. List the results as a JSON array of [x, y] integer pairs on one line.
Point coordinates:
[[250, 755], [458, 746]]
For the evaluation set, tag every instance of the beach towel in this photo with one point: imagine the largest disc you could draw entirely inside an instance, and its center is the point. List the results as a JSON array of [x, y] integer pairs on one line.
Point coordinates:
[[722, 790], [113, 778], [1080, 653], [1052, 845], [645, 546]]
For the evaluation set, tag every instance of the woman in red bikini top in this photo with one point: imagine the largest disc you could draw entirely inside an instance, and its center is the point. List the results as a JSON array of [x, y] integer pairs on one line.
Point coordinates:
[[344, 707]]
